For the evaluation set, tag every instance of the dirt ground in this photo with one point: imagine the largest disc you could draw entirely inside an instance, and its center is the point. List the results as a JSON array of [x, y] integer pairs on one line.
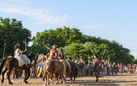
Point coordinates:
[[119, 80]]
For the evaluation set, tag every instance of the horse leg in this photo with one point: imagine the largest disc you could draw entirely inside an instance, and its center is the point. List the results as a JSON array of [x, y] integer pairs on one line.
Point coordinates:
[[45, 76], [47, 79], [60, 78], [3, 73], [17, 74], [96, 78], [71, 77], [8, 74], [63, 77], [74, 74], [27, 75], [74, 77], [57, 78], [96, 74]]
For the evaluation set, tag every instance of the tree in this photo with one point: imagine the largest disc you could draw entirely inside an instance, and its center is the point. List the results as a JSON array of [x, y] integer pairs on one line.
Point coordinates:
[[75, 44], [12, 32]]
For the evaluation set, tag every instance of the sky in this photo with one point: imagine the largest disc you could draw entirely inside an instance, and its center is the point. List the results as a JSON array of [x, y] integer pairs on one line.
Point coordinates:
[[108, 19]]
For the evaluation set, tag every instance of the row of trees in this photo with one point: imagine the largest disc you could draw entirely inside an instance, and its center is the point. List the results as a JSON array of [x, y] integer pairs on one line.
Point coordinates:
[[74, 43]]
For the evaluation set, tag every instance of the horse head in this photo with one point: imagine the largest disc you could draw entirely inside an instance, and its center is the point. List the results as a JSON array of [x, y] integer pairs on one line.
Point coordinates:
[[42, 57], [49, 64]]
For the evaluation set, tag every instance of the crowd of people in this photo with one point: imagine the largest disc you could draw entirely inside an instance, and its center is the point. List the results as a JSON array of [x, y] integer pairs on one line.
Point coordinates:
[[87, 68]]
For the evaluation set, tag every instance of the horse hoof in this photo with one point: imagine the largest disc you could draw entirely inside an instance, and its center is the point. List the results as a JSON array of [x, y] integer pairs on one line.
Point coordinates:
[[64, 82], [47, 83], [96, 80], [2, 81], [71, 80], [61, 81], [56, 83], [10, 83], [26, 82]]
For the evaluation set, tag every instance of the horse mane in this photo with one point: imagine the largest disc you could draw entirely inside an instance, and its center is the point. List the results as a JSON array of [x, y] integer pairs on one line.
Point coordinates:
[[31, 56]]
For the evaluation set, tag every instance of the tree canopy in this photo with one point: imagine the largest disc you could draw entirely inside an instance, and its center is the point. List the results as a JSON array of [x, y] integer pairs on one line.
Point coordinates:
[[12, 32], [76, 44]]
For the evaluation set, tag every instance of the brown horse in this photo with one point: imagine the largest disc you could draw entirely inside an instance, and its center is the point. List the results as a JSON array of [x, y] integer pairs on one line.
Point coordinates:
[[59, 68], [68, 67], [10, 63], [99, 70], [42, 58], [74, 70]]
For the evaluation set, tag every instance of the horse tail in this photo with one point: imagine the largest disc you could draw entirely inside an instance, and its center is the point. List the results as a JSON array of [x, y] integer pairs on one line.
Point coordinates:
[[69, 67], [2, 65], [64, 74]]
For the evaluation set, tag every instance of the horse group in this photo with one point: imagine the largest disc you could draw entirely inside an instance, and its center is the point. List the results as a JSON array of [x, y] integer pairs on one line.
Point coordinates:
[[53, 69], [59, 69]]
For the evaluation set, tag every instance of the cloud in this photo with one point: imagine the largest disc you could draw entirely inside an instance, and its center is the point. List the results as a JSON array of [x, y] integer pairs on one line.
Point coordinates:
[[33, 33], [37, 14], [16, 1], [95, 26], [134, 54]]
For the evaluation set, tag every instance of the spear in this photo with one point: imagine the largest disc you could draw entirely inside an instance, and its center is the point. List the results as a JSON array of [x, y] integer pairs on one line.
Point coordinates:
[[4, 50], [25, 44]]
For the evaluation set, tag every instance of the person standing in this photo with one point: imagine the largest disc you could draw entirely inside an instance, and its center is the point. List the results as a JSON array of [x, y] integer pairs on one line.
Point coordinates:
[[121, 68]]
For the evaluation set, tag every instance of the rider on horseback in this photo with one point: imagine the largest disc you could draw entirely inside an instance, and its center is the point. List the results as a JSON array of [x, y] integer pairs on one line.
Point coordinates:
[[61, 54], [18, 53], [53, 53]]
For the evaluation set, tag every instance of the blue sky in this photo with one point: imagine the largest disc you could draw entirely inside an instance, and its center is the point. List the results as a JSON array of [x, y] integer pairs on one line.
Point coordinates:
[[109, 19]]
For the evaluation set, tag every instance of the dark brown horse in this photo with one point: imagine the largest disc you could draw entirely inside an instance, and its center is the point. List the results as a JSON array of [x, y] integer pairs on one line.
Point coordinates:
[[10, 63], [74, 70]]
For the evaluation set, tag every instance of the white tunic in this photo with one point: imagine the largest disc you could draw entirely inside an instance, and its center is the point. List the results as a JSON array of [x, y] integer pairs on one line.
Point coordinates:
[[22, 58]]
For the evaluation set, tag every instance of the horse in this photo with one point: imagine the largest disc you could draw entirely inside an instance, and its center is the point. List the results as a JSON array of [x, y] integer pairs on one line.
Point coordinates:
[[105, 69], [41, 58], [68, 68], [59, 68], [10, 63], [74, 70], [99, 70]]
